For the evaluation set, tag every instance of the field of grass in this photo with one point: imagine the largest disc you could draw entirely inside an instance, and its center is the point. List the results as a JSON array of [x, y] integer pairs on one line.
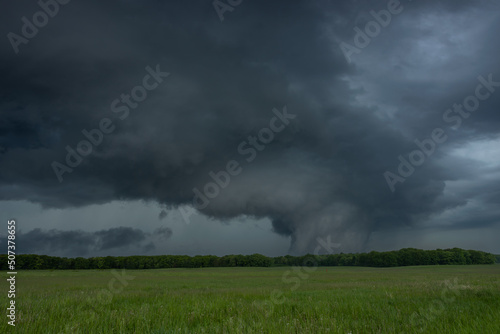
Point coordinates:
[[426, 299]]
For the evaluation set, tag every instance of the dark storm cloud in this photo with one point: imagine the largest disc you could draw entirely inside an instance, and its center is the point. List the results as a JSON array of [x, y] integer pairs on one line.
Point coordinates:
[[163, 233], [162, 214], [322, 175], [118, 237], [41, 241], [81, 243]]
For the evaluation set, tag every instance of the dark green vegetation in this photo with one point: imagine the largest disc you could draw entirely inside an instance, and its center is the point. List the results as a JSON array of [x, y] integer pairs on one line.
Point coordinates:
[[421, 299], [403, 257]]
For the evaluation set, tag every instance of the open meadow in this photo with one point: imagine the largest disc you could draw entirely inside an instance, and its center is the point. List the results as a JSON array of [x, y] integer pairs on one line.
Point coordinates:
[[420, 299]]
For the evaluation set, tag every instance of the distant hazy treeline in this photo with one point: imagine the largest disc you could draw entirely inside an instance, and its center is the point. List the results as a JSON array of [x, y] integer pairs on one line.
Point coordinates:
[[403, 257]]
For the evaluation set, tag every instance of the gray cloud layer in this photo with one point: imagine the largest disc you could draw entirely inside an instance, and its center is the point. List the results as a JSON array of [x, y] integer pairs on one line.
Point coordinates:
[[322, 175], [80, 243]]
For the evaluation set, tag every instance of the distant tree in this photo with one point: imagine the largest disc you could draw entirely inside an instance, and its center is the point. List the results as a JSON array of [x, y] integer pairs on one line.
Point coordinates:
[[280, 261], [81, 263], [403, 257]]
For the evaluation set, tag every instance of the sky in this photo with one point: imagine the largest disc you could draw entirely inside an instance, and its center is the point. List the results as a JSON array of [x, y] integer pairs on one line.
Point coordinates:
[[240, 127]]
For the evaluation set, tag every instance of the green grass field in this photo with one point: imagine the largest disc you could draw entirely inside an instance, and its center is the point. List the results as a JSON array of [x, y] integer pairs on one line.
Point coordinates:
[[426, 299]]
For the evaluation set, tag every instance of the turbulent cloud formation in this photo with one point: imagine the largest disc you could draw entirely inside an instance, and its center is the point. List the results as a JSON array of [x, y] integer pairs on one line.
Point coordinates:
[[323, 174]]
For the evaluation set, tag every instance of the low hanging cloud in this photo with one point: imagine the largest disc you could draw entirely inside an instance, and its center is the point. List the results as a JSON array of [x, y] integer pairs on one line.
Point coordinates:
[[322, 175], [80, 243]]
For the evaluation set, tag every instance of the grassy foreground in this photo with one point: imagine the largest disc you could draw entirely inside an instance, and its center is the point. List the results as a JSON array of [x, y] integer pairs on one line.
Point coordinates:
[[424, 299]]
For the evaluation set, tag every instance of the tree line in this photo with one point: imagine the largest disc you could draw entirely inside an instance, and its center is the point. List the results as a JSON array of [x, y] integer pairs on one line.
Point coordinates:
[[403, 257]]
